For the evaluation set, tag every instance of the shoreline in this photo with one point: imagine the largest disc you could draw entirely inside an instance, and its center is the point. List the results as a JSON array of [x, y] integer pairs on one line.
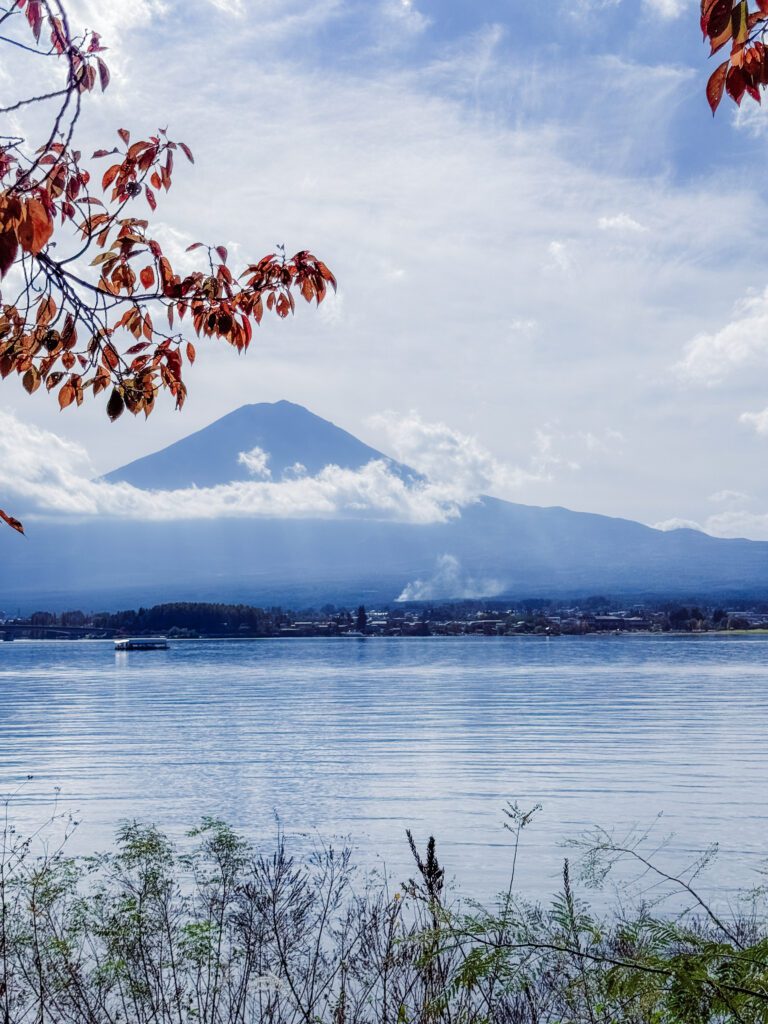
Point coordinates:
[[478, 637]]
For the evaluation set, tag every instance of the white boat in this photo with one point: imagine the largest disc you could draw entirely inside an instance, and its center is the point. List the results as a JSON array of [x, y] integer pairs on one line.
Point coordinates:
[[142, 643]]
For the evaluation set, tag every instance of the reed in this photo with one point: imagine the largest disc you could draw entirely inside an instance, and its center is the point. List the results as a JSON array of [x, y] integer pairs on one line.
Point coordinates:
[[216, 931]]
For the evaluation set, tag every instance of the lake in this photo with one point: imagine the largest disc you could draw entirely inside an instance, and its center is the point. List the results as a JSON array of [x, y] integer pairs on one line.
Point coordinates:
[[368, 737]]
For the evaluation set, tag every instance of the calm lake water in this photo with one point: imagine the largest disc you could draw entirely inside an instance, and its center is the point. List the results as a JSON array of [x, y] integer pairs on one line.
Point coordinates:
[[368, 737]]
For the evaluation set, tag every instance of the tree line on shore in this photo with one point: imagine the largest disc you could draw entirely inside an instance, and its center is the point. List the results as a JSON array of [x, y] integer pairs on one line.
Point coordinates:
[[536, 616]]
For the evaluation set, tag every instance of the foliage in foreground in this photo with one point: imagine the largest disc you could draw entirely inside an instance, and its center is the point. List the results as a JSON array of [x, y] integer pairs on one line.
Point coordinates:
[[224, 933]]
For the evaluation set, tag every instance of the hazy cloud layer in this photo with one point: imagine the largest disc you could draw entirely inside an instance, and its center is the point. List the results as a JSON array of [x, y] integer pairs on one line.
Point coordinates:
[[54, 475]]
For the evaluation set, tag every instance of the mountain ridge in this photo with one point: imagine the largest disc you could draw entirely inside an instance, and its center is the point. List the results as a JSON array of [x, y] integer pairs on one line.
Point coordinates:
[[209, 456], [494, 547]]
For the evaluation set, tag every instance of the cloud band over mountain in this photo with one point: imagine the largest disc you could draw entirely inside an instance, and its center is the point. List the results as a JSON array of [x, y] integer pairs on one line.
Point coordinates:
[[55, 475]]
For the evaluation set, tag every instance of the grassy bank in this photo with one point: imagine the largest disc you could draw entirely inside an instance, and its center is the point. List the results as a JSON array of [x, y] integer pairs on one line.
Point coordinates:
[[221, 933]]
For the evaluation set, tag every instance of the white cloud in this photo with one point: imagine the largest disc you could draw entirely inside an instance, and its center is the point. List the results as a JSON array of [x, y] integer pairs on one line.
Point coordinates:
[[728, 497], [664, 8], [585, 7], [757, 420], [751, 119], [667, 8], [256, 462], [560, 257], [405, 15], [233, 7], [609, 441], [709, 357], [457, 462], [620, 222], [523, 326], [56, 475], [111, 20], [450, 582], [677, 524], [739, 523]]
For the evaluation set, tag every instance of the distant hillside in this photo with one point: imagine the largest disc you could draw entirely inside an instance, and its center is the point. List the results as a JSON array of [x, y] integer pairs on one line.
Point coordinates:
[[495, 547]]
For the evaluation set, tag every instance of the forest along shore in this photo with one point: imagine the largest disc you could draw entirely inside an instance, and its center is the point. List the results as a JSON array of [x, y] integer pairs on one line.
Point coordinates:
[[538, 617]]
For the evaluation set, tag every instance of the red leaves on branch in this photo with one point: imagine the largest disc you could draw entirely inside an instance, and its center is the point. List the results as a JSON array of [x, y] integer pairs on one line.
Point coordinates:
[[92, 331], [746, 69]]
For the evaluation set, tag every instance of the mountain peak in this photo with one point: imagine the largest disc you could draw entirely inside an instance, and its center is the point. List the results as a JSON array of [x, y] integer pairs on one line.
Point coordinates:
[[294, 439]]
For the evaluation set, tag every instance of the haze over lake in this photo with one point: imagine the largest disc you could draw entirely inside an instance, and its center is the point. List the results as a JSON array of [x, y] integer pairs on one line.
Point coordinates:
[[369, 737]]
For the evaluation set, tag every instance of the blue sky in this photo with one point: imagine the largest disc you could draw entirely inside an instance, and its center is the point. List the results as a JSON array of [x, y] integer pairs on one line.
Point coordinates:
[[544, 241]]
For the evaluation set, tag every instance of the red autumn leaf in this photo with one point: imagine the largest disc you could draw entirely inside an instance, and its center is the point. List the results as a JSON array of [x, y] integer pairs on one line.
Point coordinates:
[[111, 357], [13, 523], [58, 36], [706, 10], [754, 92], [150, 197], [221, 250], [190, 352], [326, 274], [46, 311], [31, 380], [720, 26], [195, 245], [716, 86], [740, 27], [109, 176], [36, 227], [124, 135], [87, 78], [147, 277], [718, 17], [103, 73], [735, 84], [66, 396], [9, 247], [115, 405], [188, 152], [35, 17]]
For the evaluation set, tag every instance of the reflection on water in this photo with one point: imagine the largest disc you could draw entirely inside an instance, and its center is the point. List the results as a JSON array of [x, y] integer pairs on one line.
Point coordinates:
[[367, 737]]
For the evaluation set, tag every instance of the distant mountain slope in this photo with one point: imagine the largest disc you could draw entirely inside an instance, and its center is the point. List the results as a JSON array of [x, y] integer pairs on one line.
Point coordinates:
[[499, 547], [289, 433], [495, 547]]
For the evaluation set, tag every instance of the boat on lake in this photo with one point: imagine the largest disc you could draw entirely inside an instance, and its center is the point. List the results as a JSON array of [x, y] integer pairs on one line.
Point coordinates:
[[142, 643]]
